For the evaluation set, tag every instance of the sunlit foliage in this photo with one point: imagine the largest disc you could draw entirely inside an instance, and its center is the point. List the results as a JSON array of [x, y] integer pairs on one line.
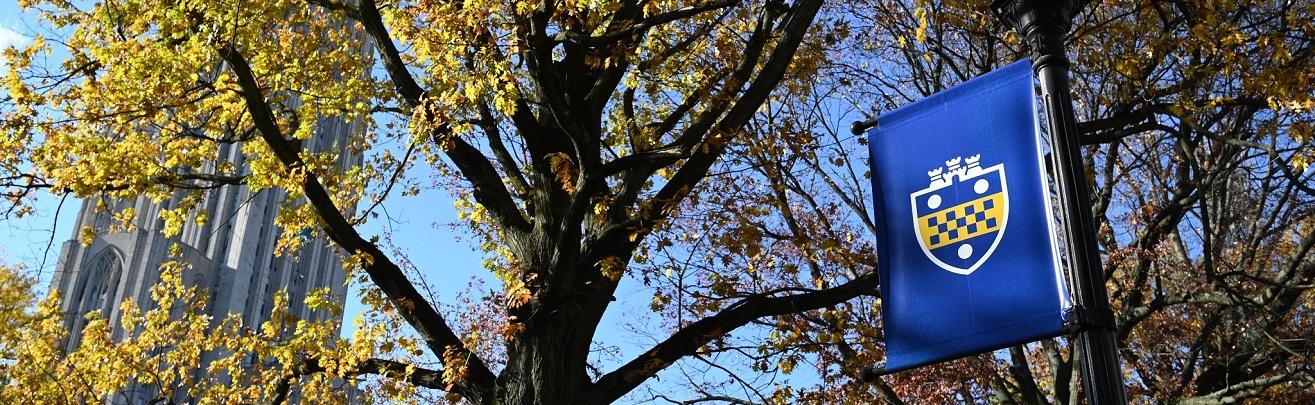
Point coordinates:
[[695, 147]]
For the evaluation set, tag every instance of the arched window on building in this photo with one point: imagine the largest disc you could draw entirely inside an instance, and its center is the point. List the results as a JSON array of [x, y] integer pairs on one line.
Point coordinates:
[[100, 284]]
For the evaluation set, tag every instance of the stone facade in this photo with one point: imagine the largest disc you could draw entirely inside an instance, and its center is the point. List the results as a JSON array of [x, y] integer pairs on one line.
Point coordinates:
[[231, 255]]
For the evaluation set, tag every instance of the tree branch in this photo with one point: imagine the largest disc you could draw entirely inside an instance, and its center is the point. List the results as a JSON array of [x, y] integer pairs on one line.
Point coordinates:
[[630, 233], [401, 293], [402, 79], [473, 165], [642, 26], [689, 339], [418, 376]]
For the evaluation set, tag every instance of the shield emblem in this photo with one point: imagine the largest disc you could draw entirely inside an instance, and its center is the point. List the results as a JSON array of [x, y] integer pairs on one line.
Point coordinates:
[[962, 213]]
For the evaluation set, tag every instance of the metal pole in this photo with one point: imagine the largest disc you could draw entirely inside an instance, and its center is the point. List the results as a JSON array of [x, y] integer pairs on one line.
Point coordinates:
[[1043, 24]]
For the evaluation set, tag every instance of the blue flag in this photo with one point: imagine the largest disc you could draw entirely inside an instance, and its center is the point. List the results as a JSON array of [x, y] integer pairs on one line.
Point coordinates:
[[967, 256]]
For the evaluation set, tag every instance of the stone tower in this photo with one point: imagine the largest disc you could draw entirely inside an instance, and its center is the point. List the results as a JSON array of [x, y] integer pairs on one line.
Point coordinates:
[[231, 255]]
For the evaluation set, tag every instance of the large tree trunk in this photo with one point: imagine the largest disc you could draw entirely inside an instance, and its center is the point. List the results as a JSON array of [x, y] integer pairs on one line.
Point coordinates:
[[546, 363]]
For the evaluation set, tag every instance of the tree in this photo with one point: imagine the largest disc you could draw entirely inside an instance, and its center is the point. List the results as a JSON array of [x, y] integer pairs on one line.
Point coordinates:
[[695, 147], [1197, 119], [573, 130]]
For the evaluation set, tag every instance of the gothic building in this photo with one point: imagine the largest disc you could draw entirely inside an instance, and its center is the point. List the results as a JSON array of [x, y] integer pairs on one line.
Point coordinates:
[[231, 255]]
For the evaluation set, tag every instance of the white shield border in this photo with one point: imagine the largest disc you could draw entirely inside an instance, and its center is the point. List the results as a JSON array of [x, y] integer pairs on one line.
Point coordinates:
[[913, 206]]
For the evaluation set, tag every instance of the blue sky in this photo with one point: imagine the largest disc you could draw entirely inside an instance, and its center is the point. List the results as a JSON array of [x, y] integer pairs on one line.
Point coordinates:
[[418, 224], [25, 240]]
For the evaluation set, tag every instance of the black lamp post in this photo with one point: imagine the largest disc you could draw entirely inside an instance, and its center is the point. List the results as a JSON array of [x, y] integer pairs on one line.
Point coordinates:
[[1042, 25]]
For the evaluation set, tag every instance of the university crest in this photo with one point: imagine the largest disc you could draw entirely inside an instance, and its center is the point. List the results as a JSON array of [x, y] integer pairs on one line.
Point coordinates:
[[961, 215]]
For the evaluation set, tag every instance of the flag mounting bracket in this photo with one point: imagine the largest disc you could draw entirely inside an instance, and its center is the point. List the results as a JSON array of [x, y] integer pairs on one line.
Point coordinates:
[[1080, 319], [870, 374], [858, 127]]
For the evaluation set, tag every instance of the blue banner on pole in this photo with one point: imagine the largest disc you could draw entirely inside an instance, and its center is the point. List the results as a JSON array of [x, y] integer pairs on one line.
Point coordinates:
[[966, 250]]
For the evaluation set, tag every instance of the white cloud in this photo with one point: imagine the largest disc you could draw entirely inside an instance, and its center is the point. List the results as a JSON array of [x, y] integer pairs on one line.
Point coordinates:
[[9, 38]]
